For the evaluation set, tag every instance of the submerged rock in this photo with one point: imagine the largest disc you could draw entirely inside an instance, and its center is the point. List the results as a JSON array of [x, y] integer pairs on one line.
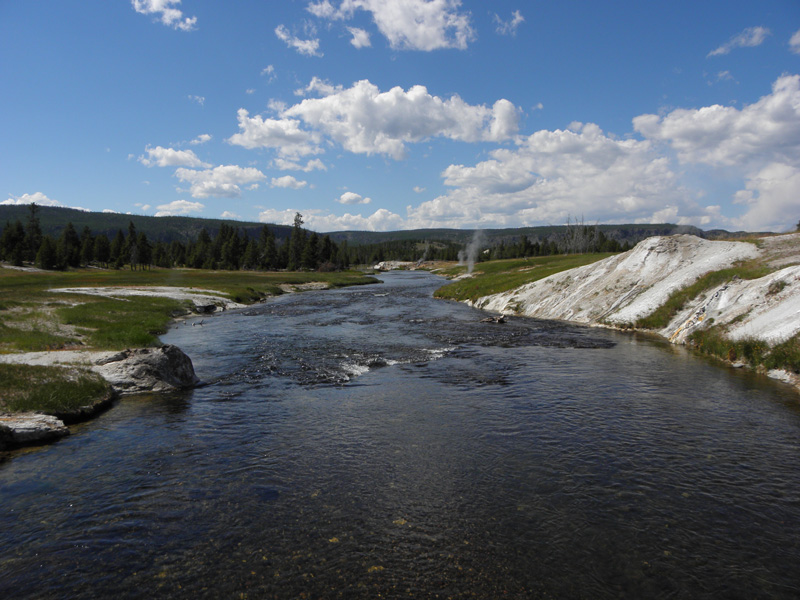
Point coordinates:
[[148, 370], [26, 429]]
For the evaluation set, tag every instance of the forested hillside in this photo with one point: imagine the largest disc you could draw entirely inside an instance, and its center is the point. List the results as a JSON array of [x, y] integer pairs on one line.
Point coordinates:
[[58, 238]]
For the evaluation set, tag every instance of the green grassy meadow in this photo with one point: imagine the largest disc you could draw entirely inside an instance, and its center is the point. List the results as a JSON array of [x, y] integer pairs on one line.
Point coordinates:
[[494, 277], [34, 318]]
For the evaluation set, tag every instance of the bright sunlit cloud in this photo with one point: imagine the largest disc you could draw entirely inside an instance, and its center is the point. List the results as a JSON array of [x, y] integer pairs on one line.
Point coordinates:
[[382, 114]]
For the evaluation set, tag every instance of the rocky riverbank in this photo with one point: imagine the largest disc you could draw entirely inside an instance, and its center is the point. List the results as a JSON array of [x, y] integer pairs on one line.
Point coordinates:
[[134, 371], [130, 371], [622, 289]]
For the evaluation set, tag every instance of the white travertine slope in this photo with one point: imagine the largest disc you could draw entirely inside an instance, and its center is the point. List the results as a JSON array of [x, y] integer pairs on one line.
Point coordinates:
[[623, 288]]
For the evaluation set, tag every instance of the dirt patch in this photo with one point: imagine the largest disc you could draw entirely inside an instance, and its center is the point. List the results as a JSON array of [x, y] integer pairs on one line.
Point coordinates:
[[303, 287], [781, 250]]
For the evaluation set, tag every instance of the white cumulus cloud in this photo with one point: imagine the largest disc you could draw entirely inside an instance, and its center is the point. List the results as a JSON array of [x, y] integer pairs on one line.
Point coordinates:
[[166, 12], [760, 141], [408, 24], [308, 47], [201, 139], [772, 199], [364, 120], [178, 208], [794, 42], [223, 180], [766, 131], [290, 165], [750, 37], [550, 177], [360, 37], [284, 135], [287, 181], [269, 72], [35, 198], [381, 220], [353, 198], [169, 157]]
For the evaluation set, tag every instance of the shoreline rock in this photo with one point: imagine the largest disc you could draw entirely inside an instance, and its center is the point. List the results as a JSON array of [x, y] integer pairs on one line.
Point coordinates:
[[148, 370], [29, 429], [128, 372]]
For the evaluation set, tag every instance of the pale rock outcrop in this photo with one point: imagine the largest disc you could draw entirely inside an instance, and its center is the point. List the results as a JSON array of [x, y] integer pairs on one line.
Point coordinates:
[[148, 370], [392, 265], [29, 428], [623, 288], [767, 309], [203, 300]]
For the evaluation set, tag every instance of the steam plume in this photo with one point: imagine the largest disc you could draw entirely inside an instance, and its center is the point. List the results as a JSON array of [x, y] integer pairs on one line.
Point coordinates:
[[469, 255]]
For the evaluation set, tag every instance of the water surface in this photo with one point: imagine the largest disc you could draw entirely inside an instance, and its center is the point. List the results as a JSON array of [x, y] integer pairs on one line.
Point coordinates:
[[373, 442]]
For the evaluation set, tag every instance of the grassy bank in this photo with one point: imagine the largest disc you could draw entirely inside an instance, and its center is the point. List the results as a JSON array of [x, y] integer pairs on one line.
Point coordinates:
[[50, 390], [497, 276], [33, 318], [662, 316], [755, 353]]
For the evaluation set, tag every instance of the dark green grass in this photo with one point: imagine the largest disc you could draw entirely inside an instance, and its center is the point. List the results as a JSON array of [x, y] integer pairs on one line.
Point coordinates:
[[31, 340], [115, 324], [756, 353], [134, 321], [48, 389], [499, 276]]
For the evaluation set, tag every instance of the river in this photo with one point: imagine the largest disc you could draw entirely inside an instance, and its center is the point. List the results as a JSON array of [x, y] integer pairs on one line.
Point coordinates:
[[374, 442]]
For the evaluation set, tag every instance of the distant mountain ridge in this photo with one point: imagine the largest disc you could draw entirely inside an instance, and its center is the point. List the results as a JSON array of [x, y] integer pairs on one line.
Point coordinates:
[[160, 229], [185, 229]]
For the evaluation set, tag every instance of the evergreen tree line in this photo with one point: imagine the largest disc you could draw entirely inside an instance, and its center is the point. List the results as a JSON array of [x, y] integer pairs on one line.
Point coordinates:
[[403, 250], [229, 249], [587, 240], [232, 249]]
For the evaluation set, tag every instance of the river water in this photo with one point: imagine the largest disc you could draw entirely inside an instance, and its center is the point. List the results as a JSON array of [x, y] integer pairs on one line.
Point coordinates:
[[373, 442]]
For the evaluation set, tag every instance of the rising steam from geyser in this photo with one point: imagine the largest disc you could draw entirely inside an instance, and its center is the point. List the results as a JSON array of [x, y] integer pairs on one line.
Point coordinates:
[[469, 255]]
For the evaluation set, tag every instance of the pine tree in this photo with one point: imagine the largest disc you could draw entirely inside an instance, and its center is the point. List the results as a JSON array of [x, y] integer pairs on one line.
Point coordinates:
[[33, 234], [343, 256], [297, 243], [231, 250], [131, 248], [144, 251], [310, 258], [267, 251], [102, 249], [117, 250], [12, 243], [69, 246], [87, 245], [201, 253], [250, 260], [177, 252], [47, 256]]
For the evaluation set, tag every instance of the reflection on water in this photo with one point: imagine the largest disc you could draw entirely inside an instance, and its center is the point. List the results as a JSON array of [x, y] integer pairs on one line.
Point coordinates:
[[359, 445]]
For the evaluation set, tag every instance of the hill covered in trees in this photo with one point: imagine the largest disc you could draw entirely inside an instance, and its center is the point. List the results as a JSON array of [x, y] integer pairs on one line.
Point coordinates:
[[52, 220], [55, 237]]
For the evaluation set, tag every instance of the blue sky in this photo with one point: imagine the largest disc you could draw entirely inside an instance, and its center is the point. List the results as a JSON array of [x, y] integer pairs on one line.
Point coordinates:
[[385, 115]]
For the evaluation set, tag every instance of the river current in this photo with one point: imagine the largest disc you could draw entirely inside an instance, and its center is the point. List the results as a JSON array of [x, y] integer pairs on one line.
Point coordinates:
[[373, 442]]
